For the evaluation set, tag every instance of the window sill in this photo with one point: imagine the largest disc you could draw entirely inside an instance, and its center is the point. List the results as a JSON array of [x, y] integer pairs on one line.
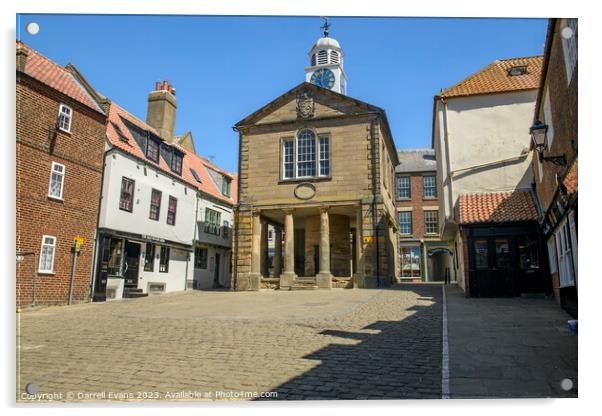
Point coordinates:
[[65, 131], [126, 210], [310, 180], [406, 235], [46, 273], [404, 199], [429, 198], [57, 199]]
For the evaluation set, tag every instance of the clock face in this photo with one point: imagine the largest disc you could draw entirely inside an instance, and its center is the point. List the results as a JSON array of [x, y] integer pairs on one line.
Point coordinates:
[[323, 78]]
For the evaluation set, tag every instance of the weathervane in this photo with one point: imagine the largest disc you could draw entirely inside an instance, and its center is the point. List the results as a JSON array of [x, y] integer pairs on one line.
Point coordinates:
[[326, 26]]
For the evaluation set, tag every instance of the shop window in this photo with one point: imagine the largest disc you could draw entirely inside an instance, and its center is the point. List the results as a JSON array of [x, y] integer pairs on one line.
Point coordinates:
[[528, 253], [410, 262], [200, 258], [164, 260], [481, 254], [502, 254], [149, 258]]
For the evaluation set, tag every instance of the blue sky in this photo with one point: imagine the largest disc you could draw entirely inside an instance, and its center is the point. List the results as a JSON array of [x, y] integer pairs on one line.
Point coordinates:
[[226, 67]]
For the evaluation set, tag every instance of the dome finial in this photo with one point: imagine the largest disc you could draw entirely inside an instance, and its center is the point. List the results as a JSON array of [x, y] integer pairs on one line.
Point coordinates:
[[326, 26]]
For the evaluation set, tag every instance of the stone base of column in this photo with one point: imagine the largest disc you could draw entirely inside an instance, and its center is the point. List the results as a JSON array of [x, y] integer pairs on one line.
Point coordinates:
[[324, 280], [254, 281], [286, 280], [369, 282], [358, 280]]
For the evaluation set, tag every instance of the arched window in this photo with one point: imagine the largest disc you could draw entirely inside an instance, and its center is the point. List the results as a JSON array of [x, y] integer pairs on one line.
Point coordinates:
[[313, 60], [334, 57], [322, 57], [306, 153]]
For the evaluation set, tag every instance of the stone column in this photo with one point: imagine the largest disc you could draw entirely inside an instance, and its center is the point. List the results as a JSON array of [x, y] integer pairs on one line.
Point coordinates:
[[324, 278], [277, 250], [264, 270], [358, 276], [287, 278], [255, 275]]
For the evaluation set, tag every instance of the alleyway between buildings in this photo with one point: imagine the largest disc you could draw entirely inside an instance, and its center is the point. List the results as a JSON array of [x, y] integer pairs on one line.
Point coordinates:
[[337, 344]]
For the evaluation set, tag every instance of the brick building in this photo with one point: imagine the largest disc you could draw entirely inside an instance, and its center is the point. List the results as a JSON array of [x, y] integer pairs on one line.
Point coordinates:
[[60, 136], [423, 256], [318, 165], [555, 168]]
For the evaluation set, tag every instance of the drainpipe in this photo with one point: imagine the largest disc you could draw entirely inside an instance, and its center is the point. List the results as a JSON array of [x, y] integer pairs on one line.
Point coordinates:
[[443, 123], [194, 239]]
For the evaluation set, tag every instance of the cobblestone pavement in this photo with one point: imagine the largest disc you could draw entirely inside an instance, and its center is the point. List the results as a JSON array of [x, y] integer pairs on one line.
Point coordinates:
[[509, 347], [337, 344]]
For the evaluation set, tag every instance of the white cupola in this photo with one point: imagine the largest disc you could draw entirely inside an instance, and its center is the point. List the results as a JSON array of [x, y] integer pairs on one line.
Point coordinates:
[[326, 64]]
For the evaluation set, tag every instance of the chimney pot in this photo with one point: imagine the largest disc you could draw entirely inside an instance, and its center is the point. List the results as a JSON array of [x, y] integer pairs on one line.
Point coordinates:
[[164, 85], [157, 85]]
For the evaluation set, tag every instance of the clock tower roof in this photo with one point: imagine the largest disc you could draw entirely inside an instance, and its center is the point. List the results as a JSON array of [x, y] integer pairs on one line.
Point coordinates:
[[326, 43]]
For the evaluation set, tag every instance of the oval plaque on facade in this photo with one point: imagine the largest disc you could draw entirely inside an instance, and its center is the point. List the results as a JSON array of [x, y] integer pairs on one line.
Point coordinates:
[[305, 191]]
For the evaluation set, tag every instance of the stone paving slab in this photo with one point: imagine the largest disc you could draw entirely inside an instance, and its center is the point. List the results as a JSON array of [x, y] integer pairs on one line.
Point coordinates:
[[509, 347], [338, 344]]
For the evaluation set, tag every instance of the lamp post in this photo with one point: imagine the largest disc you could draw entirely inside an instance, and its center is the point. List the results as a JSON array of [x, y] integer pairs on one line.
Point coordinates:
[[539, 136]]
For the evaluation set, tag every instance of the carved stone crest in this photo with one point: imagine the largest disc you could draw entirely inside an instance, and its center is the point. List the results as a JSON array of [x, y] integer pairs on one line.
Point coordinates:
[[305, 104]]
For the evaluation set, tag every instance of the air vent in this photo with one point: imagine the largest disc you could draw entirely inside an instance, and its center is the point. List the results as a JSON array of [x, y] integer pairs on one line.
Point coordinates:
[[515, 71], [313, 60], [334, 57], [322, 58]]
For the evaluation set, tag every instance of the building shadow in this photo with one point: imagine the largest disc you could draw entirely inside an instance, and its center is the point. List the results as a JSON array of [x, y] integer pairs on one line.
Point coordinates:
[[400, 361]]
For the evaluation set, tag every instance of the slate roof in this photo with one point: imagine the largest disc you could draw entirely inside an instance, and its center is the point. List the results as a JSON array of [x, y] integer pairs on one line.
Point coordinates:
[[416, 160], [494, 78], [117, 127], [497, 207], [55, 76]]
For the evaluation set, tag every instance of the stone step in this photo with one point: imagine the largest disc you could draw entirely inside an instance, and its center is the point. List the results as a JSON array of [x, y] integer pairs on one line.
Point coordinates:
[[304, 284], [134, 294]]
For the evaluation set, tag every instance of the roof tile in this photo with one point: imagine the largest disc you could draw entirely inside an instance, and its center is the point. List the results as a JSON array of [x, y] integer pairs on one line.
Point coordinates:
[[497, 207], [494, 78]]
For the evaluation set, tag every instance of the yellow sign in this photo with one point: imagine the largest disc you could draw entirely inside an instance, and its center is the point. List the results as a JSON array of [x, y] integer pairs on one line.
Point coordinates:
[[369, 239], [77, 242]]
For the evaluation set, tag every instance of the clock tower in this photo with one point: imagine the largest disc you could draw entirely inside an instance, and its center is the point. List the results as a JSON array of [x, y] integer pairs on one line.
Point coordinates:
[[326, 64]]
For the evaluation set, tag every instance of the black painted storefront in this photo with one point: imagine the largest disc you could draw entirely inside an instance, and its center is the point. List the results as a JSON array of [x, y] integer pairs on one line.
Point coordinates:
[[506, 260]]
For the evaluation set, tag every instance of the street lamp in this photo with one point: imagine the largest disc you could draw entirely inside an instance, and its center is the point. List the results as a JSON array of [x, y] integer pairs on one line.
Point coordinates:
[[539, 136]]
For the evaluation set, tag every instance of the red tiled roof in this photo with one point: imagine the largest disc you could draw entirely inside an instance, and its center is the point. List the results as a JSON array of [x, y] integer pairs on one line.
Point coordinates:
[[494, 78], [55, 76], [571, 180], [497, 207], [190, 160]]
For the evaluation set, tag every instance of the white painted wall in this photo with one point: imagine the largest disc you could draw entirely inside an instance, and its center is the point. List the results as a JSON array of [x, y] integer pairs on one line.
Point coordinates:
[[147, 178], [215, 244], [479, 130]]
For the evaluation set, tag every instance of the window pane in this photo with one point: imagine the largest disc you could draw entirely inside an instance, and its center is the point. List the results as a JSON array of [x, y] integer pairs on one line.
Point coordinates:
[[481, 252], [410, 262], [324, 156], [403, 187], [164, 260], [528, 254], [152, 150], [155, 206], [127, 194], [306, 154], [288, 158], [200, 257], [149, 258], [171, 210], [56, 184], [502, 254], [176, 163], [405, 222], [115, 254], [429, 187], [431, 222]]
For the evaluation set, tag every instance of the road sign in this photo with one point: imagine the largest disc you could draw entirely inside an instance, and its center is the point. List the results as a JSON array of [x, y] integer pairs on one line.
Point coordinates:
[[78, 240]]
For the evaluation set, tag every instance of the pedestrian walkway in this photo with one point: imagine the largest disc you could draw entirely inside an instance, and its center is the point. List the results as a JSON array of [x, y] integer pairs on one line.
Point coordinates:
[[509, 347]]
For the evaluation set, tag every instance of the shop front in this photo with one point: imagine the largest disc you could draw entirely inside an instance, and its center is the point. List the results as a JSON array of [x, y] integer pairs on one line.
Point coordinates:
[[130, 265]]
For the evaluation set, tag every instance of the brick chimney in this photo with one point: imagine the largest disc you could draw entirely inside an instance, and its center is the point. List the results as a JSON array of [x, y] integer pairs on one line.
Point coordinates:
[[161, 113], [21, 57]]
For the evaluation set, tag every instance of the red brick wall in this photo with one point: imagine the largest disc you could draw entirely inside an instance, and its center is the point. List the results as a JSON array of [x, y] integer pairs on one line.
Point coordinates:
[[82, 154], [417, 202], [563, 101]]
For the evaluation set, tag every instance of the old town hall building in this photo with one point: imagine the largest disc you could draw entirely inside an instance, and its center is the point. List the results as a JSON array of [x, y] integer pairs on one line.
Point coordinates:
[[317, 167]]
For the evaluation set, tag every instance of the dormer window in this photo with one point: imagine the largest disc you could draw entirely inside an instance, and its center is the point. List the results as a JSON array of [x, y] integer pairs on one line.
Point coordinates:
[[517, 70], [152, 149], [226, 185], [176, 163]]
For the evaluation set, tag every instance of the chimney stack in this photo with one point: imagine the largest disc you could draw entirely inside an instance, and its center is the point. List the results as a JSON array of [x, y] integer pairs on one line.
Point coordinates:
[[161, 113], [21, 57]]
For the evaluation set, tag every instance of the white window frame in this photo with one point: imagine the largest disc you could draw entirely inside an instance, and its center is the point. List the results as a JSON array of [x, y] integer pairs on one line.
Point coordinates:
[[434, 187], [68, 117], [409, 188], [317, 156], [62, 175], [435, 213], [552, 254], [569, 48], [411, 223], [566, 272], [53, 245]]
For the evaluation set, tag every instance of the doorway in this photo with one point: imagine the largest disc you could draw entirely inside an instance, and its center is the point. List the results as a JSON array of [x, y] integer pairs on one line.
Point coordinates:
[[131, 264], [216, 283]]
